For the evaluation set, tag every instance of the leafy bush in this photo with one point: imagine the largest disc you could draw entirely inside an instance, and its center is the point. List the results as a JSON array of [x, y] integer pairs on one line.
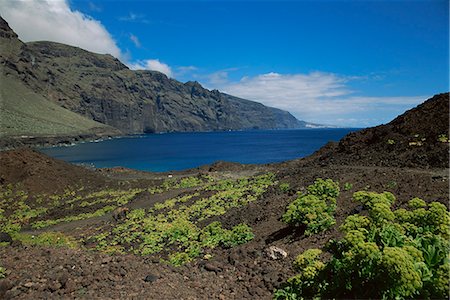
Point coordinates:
[[2, 272], [387, 255], [348, 186], [443, 138], [308, 265], [315, 209], [284, 187], [324, 189], [240, 234], [179, 258]]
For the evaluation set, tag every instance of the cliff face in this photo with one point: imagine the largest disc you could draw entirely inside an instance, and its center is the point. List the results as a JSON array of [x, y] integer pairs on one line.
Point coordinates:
[[24, 113], [101, 88]]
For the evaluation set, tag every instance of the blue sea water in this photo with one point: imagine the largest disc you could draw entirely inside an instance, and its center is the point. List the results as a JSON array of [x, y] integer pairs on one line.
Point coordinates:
[[178, 151]]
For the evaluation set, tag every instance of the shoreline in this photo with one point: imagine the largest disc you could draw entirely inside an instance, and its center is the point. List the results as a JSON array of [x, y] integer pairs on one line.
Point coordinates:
[[35, 142]]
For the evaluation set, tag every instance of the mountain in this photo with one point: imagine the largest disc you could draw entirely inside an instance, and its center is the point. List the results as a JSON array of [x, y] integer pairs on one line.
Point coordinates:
[[100, 88], [417, 138], [24, 112]]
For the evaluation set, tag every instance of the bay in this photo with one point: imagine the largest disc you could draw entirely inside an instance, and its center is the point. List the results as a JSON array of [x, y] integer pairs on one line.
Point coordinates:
[[178, 151]]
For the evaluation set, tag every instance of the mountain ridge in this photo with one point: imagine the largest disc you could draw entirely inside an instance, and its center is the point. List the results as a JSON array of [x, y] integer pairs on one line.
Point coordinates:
[[99, 87]]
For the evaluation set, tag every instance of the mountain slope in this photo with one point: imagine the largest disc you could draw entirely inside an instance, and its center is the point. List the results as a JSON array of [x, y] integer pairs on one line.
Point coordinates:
[[417, 138], [24, 112], [101, 88]]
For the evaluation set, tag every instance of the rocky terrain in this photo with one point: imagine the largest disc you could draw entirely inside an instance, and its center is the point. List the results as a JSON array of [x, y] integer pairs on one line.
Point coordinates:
[[107, 96], [406, 141], [83, 233]]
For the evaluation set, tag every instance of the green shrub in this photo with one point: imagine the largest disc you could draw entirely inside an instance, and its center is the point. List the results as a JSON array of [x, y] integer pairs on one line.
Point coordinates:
[[324, 189], [391, 142], [348, 186], [308, 265], [416, 203], [240, 234], [315, 209], [284, 187], [443, 138], [212, 235], [179, 258], [387, 255]]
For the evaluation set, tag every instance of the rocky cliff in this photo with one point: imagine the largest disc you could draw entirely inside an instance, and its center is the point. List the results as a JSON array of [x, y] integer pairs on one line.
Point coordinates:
[[26, 116], [101, 88]]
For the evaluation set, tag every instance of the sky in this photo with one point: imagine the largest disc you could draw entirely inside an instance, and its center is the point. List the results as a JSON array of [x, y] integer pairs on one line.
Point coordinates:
[[344, 63]]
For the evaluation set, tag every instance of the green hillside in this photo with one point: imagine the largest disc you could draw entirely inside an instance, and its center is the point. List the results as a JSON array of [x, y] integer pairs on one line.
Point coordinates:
[[23, 112]]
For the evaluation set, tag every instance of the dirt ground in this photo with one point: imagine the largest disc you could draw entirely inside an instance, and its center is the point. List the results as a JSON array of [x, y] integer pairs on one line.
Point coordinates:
[[365, 160]]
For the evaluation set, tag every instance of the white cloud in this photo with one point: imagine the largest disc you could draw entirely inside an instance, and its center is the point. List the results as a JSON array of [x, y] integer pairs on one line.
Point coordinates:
[[133, 17], [316, 97], [152, 64], [218, 78], [185, 72], [186, 69], [135, 40], [56, 21], [94, 7]]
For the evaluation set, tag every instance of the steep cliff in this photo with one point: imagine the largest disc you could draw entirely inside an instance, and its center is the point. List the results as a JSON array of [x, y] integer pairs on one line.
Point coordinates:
[[24, 113], [101, 88]]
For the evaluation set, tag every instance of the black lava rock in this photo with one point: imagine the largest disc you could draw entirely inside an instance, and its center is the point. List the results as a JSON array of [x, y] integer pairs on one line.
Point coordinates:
[[5, 237], [151, 278]]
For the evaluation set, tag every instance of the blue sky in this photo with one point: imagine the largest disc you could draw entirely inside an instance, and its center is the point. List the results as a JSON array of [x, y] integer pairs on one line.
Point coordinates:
[[349, 63]]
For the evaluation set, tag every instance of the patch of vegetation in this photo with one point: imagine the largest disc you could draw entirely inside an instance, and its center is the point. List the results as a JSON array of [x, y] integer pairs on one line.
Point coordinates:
[[417, 141], [51, 239], [18, 208], [171, 227], [315, 208], [348, 186], [98, 213], [14, 211], [284, 187], [443, 138], [391, 184], [183, 183], [2, 272], [385, 255]]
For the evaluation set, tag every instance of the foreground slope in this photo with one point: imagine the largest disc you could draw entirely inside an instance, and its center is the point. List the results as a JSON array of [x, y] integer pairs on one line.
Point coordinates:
[[101, 88], [83, 216], [417, 138]]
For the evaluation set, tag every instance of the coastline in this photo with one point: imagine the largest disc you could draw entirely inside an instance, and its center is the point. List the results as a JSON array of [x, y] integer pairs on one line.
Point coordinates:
[[16, 142]]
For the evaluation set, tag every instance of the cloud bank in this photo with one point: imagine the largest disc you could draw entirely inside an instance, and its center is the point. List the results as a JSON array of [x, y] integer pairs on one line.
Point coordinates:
[[153, 65], [55, 21], [319, 97]]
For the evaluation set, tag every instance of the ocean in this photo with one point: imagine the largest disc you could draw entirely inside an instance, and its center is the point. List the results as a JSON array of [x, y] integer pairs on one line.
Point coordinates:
[[178, 151]]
